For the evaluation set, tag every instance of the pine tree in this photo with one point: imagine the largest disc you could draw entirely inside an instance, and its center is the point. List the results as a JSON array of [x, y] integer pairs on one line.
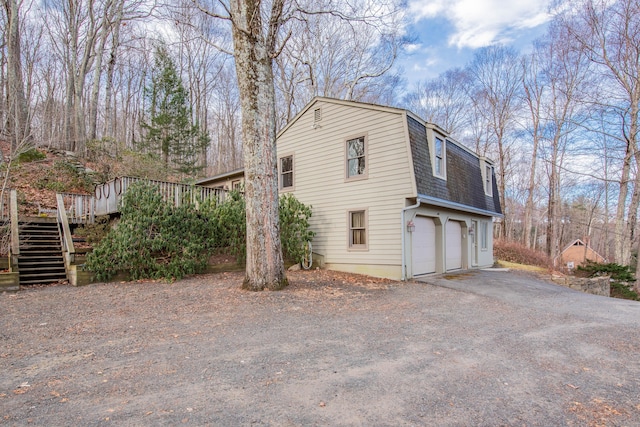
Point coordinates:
[[170, 131]]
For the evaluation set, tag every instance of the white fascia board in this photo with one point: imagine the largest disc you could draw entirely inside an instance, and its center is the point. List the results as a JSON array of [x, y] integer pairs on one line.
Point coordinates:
[[456, 206]]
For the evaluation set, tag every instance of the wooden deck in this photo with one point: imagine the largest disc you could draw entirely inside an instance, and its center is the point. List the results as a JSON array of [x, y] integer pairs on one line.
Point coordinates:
[[107, 197]]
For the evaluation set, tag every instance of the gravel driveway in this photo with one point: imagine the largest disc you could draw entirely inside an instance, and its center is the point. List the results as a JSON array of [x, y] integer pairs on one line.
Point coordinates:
[[481, 348]]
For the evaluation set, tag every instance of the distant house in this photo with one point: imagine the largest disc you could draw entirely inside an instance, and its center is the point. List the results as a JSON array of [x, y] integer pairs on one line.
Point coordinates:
[[577, 253], [392, 195]]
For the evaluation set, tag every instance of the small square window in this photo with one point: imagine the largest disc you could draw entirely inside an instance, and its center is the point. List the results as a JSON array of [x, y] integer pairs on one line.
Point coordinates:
[[358, 229], [356, 157], [236, 185], [286, 172]]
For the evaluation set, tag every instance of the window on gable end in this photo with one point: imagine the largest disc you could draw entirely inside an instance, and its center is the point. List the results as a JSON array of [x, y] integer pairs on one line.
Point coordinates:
[[286, 172], [439, 154], [356, 158]]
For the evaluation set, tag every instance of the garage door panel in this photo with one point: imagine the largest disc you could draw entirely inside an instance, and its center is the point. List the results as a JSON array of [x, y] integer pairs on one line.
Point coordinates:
[[453, 245], [423, 247]]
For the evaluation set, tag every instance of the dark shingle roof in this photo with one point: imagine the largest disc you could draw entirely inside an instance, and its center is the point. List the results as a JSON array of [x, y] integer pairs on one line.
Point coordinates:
[[464, 184]]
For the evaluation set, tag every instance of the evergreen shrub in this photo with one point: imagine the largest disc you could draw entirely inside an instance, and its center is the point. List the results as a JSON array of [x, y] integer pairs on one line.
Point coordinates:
[[155, 239]]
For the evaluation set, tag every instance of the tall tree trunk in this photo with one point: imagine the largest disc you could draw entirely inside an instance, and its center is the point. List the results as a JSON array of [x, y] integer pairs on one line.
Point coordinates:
[[502, 189], [619, 234], [632, 215], [109, 122], [97, 71], [3, 83], [528, 207], [533, 100], [253, 56], [636, 286], [552, 214], [17, 112]]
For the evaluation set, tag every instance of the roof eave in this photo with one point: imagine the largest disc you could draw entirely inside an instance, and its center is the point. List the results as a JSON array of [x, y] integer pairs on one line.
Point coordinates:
[[456, 206]]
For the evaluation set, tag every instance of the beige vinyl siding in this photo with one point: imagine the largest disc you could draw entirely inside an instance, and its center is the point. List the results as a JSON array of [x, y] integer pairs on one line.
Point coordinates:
[[320, 181]]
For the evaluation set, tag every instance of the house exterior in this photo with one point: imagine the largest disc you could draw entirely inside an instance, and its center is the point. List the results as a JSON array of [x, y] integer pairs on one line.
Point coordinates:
[[228, 181], [392, 195], [577, 253]]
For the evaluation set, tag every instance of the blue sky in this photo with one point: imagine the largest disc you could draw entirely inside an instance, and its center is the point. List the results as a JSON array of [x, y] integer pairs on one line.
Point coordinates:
[[449, 31]]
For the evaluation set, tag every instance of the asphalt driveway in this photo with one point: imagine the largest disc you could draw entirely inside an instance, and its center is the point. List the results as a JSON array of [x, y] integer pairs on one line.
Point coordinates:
[[520, 289], [485, 348]]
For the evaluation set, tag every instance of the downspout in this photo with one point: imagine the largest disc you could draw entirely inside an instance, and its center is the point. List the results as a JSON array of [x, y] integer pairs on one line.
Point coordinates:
[[404, 230]]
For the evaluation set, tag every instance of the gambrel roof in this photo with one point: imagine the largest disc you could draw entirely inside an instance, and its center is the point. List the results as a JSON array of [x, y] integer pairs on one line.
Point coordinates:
[[464, 184]]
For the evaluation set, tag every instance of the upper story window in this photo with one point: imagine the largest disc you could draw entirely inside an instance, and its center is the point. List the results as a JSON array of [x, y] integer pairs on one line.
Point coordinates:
[[286, 172], [439, 157], [356, 152], [488, 180]]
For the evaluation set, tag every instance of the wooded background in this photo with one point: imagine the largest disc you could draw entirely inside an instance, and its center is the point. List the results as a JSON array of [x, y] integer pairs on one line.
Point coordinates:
[[560, 121]]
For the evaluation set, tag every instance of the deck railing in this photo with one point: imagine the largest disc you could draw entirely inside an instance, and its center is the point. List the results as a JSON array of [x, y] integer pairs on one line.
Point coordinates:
[[108, 196], [80, 208], [67, 240], [4, 205]]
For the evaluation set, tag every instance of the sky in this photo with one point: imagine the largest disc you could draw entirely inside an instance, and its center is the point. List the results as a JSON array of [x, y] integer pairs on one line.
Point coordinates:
[[449, 31]]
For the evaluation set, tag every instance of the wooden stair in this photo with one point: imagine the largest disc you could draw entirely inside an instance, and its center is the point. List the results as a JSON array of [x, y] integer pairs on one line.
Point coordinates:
[[41, 260]]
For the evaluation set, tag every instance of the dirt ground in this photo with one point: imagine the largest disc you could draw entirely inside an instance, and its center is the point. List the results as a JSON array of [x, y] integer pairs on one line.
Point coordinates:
[[331, 349]]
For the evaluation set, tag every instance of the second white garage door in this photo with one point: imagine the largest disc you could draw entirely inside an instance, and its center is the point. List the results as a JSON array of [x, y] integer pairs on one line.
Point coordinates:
[[423, 246], [453, 245]]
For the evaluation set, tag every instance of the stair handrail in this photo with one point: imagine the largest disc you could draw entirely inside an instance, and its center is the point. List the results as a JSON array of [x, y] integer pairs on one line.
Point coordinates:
[[67, 239], [13, 212]]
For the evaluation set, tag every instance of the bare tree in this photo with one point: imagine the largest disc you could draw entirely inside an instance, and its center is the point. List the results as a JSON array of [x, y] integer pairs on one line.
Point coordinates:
[[533, 92], [109, 11], [443, 100], [496, 72], [349, 58], [17, 114], [565, 71], [255, 28], [610, 34]]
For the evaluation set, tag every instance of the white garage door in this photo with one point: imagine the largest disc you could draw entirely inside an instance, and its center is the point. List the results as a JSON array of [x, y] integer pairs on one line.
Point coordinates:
[[423, 247], [454, 245]]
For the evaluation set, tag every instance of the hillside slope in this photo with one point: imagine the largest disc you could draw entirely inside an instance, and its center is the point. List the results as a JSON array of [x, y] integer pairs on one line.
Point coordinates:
[[40, 174]]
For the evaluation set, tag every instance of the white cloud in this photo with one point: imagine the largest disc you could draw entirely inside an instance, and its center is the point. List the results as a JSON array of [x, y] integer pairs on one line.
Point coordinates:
[[478, 23], [413, 47]]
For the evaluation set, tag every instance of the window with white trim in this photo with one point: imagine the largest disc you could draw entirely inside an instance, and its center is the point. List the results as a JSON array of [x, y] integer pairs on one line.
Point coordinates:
[[286, 172], [488, 180], [358, 229], [439, 157], [356, 153], [484, 235]]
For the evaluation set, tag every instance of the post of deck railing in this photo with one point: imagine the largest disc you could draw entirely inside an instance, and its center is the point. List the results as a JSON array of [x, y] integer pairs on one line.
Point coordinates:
[[67, 239], [15, 236]]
